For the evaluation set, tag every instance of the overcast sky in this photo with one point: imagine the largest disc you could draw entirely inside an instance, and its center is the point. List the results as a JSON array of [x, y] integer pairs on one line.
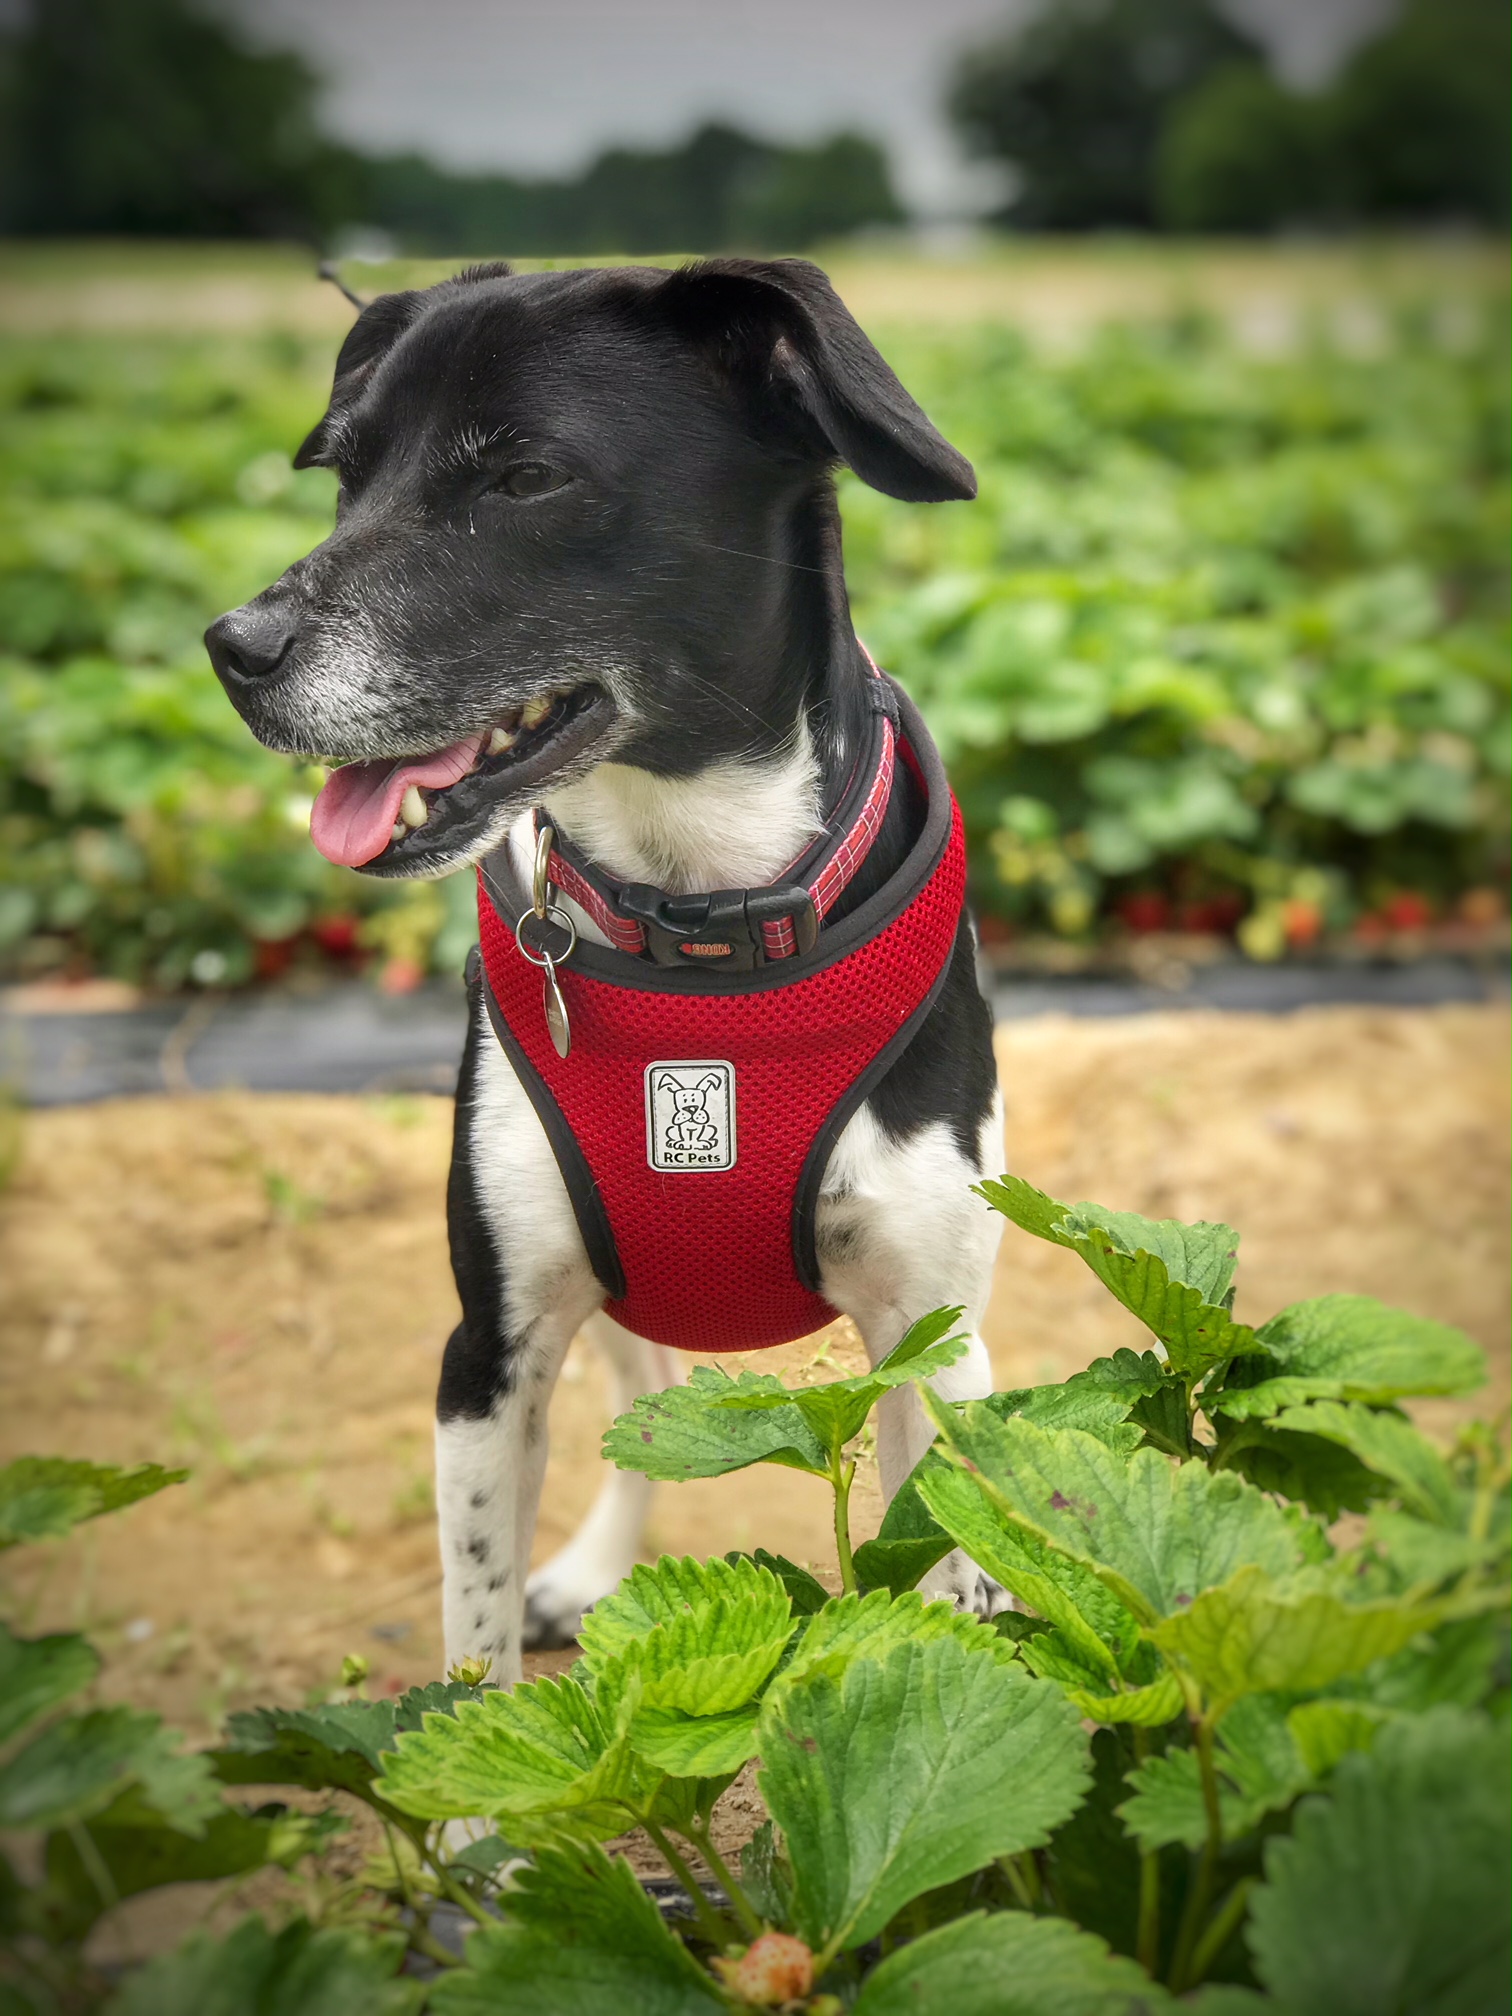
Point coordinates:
[[543, 85]]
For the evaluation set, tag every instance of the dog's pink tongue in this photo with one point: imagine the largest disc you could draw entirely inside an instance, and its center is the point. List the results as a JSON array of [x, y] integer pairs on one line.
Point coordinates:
[[354, 815]]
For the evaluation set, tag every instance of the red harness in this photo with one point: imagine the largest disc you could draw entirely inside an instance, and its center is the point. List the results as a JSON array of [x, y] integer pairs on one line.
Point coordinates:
[[719, 1049]]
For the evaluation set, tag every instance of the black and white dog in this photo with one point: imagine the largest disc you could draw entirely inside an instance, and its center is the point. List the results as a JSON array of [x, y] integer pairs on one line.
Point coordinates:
[[587, 557]]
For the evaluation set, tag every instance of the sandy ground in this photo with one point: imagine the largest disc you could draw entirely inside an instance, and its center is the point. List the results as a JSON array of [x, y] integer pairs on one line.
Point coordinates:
[[258, 1287]]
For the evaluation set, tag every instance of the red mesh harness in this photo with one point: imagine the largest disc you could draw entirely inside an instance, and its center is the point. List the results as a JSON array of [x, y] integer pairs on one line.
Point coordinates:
[[719, 1048]]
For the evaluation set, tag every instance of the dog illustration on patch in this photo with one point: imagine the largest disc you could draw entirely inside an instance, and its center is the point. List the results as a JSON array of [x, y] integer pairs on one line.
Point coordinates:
[[691, 1125]]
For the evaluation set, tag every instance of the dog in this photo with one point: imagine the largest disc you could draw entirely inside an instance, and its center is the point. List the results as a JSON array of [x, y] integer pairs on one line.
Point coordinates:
[[587, 558]]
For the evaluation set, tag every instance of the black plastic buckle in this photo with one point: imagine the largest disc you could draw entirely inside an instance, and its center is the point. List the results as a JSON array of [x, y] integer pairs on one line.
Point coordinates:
[[721, 931]]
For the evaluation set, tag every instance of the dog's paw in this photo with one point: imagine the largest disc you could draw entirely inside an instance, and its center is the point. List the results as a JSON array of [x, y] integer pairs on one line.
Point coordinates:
[[958, 1580], [552, 1619]]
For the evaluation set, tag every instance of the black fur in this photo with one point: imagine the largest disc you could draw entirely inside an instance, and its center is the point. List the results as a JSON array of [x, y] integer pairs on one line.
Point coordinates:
[[692, 551]]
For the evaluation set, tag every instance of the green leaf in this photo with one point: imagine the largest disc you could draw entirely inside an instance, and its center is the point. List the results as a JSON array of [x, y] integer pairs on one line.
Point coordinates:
[[37, 1673], [42, 1497], [1421, 1553], [338, 1747], [582, 1939], [1302, 1467], [1096, 1625], [686, 1432], [1255, 1634], [1173, 1277], [544, 1759], [1391, 1892], [1348, 1347], [868, 1627], [900, 1774], [806, 1592], [1392, 1448], [1010, 1965], [255, 1972], [1052, 1655], [704, 1636], [76, 1766], [836, 1409], [1260, 1768], [1156, 1532], [696, 1746], [139, 1853], [766, 1877], [909, 1541], [1092, 1862], [1325, 1731]]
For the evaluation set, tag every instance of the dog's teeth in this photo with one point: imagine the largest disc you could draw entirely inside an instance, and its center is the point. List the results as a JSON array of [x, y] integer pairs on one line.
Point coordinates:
[[413, 809], [500, 740], [534, 712], [400, 829]]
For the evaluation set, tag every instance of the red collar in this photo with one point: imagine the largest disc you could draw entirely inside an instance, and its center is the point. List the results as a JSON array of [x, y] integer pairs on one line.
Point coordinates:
[[736, 930]]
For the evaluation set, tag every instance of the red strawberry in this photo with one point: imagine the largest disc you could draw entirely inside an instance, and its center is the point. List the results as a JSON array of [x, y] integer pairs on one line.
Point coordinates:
[[1143, 910], [1407, 911]]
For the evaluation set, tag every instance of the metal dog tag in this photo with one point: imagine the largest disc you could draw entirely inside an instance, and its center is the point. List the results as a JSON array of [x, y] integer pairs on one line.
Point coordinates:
[[556, 1010]]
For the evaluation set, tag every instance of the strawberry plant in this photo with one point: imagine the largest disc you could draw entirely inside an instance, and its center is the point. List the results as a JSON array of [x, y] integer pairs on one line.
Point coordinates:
[[1230, 1750]]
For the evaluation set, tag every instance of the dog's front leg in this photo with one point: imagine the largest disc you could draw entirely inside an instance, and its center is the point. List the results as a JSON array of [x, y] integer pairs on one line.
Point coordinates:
[[526, 1286], [899, 1234]]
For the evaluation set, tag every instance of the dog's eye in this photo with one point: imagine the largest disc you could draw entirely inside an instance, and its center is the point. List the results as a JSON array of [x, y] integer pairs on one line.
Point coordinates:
[[530, 479]]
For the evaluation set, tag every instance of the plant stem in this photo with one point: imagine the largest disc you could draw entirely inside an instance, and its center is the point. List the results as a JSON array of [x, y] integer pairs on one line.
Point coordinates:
[[94, 1863], [1147, 1944], [1220, 1930], [1009, 1866], [714, 1928], [701, 1835], [452, 1890], [841, 1477], [1201, 1892]]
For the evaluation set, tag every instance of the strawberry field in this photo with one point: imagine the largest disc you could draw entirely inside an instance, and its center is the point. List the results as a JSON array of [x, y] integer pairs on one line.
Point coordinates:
[[1221, 648]]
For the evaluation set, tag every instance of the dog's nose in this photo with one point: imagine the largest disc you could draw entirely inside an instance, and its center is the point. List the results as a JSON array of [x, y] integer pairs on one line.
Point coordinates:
[[249, 643]]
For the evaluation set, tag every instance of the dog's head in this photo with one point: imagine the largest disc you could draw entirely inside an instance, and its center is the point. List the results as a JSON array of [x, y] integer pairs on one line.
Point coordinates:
[[557, 494], [687, 1098]]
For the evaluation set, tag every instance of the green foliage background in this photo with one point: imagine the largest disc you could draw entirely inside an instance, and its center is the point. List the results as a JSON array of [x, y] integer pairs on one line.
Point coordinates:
[[1225, 627]]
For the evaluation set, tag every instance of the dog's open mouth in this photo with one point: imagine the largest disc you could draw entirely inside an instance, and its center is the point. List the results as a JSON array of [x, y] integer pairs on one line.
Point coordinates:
[[405, 810]]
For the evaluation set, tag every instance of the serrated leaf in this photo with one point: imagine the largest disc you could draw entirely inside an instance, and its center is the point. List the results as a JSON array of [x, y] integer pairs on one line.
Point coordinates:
[[1305, 1468], [1172, 1276], [1092, 1862], [337, 1747], [1260, 1768], [868, 1627], [1156, 1532], [806, 1592], [686, 1432], [766, 1877], [1348, 1347], [1145, 1706], [42, 1497], [696, 1746], [836, 1409], [909, 1541], [582, 1939], [37, 1673], [899, 1774], [544, 1760], [1421, 1553], [1068, 1594], [295, 1972], [1393, 1449], [1010, 1965], [1390, 1892], [1255, 1634], [702, 1635], [76, 1766]]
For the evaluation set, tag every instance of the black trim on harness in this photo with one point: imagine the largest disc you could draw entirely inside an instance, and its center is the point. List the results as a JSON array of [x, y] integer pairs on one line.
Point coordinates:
[[582, 1191], [811, 1175]]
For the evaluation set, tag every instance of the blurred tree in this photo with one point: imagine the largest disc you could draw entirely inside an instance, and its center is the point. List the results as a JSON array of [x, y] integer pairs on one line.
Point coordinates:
[[1240, 153], [145, 116], [809, 193], [1419, 116], [1074, 103]]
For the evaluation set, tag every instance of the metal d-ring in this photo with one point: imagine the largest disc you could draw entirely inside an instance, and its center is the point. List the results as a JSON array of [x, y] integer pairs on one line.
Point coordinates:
[[549, 913]]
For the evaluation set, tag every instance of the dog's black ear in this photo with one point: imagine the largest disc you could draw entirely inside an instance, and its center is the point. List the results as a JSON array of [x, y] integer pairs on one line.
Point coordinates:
[[782, 334], [376, 330]]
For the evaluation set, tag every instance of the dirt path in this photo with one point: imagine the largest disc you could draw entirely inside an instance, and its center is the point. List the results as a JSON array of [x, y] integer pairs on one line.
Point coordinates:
[[258, 1287]]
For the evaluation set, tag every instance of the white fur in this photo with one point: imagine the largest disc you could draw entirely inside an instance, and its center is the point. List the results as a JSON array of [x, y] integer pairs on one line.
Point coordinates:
[[898, 1233]]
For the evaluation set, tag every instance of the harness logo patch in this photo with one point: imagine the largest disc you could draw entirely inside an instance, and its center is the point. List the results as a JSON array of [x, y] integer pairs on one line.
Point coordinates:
[[690, 1115]]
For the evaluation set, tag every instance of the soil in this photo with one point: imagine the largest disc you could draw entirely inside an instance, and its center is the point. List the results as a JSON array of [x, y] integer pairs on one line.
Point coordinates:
[[258, 1287]]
